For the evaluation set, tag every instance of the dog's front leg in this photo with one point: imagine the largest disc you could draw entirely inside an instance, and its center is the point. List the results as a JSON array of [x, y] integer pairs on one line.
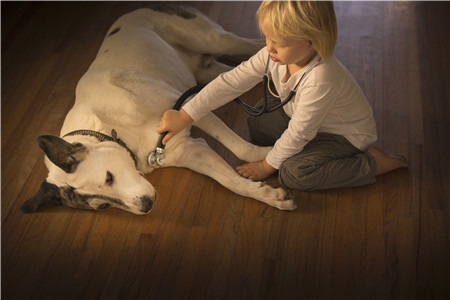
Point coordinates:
[[199, 157], [244, 150]]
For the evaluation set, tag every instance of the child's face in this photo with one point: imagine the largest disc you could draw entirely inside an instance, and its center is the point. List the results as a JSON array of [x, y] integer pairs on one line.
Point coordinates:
[[287, 52]]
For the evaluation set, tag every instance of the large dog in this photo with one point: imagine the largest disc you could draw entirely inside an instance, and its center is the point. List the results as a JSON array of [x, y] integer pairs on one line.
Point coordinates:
[[148, 58]]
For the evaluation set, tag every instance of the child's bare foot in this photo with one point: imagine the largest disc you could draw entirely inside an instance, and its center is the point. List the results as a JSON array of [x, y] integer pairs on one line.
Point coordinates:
[[387, 162]]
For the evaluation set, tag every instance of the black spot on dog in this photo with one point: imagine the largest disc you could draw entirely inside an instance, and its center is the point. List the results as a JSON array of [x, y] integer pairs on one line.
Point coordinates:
[[114, 31], [171, 9]]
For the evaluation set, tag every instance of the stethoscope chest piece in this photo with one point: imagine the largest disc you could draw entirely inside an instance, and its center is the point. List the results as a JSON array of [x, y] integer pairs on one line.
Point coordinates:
[[156, 158]]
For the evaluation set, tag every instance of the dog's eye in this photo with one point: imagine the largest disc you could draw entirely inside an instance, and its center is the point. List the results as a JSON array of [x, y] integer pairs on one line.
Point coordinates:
[[104, 206], [109, 178]]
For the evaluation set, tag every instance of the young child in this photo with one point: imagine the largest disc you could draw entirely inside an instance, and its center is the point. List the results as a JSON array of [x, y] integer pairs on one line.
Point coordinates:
[[322, 137]]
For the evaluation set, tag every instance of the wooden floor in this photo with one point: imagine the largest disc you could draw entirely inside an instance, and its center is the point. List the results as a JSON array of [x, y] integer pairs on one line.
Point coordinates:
[[387, 240]]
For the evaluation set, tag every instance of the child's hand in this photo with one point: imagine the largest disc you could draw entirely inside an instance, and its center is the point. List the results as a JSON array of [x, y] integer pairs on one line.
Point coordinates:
[[173, 121], [256, 170]]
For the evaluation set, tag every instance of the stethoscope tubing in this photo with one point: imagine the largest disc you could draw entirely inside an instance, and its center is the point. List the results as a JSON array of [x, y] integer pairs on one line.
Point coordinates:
[[258, 111]]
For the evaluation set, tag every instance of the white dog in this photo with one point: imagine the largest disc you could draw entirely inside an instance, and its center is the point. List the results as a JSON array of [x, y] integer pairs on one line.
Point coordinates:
[[148, 59]]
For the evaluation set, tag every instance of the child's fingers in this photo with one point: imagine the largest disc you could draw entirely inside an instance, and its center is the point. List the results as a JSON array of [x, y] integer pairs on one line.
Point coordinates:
[[163, 125], [160, 129], [172, 122], [168, 136]]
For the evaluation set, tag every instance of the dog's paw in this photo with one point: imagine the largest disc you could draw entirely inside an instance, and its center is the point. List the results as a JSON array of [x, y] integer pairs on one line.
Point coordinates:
[[287, 203], [279, 198]]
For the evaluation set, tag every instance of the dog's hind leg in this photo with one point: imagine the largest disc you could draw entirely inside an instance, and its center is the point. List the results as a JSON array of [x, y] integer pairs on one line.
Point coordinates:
[[194, 31], [209, 69], [199, 157], [244, 150]]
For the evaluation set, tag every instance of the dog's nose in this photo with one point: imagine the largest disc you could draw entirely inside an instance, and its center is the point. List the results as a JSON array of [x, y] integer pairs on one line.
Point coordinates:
[[147, 203]]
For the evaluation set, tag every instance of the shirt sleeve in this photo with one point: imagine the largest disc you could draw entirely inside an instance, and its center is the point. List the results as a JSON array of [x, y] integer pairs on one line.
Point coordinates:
[[227, 86], [311, 106]]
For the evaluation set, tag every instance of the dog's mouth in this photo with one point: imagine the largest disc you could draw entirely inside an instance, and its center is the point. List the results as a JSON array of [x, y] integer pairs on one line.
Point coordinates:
[[100, 202]]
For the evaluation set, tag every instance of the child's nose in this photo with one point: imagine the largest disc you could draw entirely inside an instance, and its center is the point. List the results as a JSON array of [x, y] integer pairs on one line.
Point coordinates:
[[270, 47]]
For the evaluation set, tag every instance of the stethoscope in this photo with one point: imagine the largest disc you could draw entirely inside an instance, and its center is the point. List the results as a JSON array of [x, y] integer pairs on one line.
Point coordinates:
[[156, 158], [258, 111]]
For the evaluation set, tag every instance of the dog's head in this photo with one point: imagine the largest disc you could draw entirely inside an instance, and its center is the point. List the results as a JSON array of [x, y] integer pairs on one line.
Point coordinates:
[[93, 176]]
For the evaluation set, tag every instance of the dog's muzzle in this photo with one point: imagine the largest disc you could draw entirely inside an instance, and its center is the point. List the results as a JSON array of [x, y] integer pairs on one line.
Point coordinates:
[[147, 204]]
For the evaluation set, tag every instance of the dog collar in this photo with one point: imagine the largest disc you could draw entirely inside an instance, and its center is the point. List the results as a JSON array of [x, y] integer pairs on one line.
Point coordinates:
[[103, 137]]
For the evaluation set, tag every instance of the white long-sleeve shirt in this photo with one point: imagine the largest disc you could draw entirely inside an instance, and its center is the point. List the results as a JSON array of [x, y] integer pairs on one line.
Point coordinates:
[[328, 99]]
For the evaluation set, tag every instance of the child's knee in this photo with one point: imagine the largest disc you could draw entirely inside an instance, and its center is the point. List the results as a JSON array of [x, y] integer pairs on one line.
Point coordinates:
[[299, 177]]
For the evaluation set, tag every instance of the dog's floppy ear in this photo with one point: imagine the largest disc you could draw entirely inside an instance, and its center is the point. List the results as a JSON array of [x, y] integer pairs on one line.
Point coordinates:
[[48, 194], [65, 155]]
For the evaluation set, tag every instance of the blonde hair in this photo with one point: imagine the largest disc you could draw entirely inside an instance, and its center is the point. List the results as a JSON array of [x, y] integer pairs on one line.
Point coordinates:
[[312, 21]]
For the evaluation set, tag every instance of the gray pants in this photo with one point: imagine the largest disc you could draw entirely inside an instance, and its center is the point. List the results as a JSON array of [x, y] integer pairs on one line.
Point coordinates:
[[327, 161]]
